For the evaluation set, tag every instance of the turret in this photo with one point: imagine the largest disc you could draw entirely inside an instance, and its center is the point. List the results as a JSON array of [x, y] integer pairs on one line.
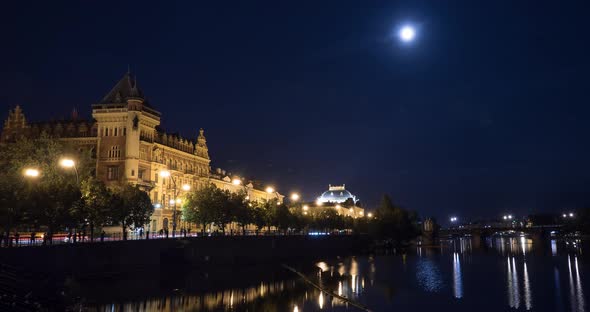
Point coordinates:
[[201, 149], [15, 125]]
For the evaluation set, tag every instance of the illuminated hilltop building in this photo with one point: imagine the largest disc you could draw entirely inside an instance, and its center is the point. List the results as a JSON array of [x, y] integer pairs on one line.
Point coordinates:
[[129, 146]]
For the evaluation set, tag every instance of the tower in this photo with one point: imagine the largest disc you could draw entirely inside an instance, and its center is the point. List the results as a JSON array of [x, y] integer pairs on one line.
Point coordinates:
[[14, 126], [124, 118], [201, 149]]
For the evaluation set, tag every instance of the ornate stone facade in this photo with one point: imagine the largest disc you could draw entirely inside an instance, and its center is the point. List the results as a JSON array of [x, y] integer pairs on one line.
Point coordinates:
[[131, 147]]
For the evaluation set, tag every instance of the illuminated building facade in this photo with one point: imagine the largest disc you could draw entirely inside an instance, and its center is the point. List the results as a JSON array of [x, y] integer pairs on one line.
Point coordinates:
[[125, 138], [340, 199]]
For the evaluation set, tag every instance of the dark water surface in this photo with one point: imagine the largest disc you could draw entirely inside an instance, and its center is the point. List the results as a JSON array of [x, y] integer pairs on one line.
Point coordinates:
[[501, 274]]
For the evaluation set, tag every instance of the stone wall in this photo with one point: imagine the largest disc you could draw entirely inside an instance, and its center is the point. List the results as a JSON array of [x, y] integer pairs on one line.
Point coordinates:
[[86, 260]]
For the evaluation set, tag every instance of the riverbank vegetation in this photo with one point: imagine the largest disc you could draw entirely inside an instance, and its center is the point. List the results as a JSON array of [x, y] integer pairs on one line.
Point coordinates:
[[56, 199]]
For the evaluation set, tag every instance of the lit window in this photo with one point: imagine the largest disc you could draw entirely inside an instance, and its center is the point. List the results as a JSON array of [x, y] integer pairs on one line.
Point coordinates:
[[112, 173]]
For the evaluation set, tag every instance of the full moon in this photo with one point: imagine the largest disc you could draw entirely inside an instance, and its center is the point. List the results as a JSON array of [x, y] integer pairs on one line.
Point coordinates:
[[407, 33]]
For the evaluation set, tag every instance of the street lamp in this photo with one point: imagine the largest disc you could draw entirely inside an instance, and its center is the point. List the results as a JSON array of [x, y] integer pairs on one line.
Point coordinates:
[[186, 187], [453, 219], [305, 207], [236, 181], [270, 190], [70, 163], [318, 203], [294, 197], [31, 173], [167, 174], [369, 215]]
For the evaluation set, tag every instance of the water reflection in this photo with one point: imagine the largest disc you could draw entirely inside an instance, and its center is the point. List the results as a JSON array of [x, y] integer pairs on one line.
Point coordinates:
[[457, 279], [428, 275], [512, 287], [411, 280], [527, 289], [576, 293]]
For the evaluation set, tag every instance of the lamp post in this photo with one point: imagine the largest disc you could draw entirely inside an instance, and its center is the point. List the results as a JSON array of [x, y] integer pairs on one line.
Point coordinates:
[[70, 163], [166, 174], [173, 202]]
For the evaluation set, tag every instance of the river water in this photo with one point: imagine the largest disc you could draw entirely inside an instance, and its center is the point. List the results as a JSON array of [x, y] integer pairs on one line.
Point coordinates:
[[500, 274]]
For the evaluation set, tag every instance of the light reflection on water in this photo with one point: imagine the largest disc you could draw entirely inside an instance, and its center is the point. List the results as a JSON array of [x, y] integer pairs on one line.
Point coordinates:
[[457, 277], [428, 275]]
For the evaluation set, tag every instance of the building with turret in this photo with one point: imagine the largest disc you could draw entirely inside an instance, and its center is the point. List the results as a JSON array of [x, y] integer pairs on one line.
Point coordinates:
[[129, 145]]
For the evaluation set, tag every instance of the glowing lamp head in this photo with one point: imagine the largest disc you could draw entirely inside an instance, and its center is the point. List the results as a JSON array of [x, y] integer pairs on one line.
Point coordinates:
[[236, 181], [270, 190], [186, 187], [172, 202], [571, 215], [67, 163], [318, 203], [407, 33], [31, 173], [165, 173], [370, 215], [294, 197], [305, 207], [338, 206]]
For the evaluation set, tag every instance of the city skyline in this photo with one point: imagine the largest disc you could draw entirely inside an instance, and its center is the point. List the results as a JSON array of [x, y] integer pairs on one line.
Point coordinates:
[[462, 121]]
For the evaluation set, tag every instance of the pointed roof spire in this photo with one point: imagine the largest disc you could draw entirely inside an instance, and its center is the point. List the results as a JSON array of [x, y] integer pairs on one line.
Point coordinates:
[[74, 113], [126, 88]]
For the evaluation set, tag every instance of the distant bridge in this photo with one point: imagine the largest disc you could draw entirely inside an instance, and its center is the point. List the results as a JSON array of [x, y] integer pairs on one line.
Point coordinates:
[[536, 231]]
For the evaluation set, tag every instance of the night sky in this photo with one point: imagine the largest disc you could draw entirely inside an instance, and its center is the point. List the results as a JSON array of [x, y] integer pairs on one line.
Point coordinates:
[[484, 113]]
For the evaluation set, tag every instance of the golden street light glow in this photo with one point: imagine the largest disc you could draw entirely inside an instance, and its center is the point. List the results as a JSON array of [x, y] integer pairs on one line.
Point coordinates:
[[179, 201], [338, 206], [31, 173], [172, 202], [270, 189], [294, 197], [164, 173], [305, 207], [236, 181], [186, 187], [370, 215], [67, 163], [305, 212], [361, 213], [318, 203]]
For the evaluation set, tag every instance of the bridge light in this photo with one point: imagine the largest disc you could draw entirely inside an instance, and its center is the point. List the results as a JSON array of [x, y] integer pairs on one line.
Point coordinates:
[[571, 215]]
